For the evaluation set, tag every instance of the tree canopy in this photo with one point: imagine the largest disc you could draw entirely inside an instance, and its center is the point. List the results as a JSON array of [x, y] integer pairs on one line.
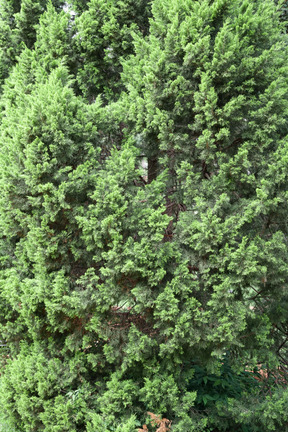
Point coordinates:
[[143, 245]]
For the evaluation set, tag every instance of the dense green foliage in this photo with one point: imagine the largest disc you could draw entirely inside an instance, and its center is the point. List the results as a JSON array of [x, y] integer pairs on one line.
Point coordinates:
[[143, 248]]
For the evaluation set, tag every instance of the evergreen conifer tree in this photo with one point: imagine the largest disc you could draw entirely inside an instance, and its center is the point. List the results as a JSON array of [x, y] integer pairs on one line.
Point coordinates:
[[123, 291], [104, 33], [208, 91], [55, 42], [48, 138], [9, 40], [28, 17], [18, 22], [283, 8]]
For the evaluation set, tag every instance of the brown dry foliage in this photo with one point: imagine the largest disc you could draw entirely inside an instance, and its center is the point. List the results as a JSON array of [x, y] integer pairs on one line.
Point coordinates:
[[162, 424]]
